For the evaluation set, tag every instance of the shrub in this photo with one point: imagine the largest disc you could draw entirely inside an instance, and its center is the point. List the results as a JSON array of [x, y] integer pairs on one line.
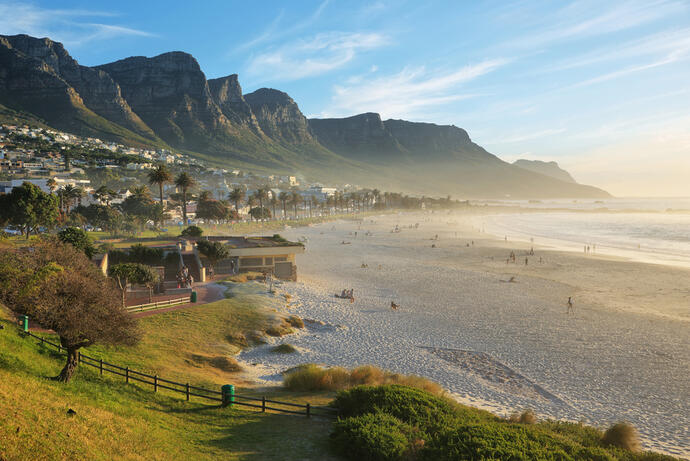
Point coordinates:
[[374, 437], [281, 329], [295, 321], [311, 377], [410, 405], [284, 348], [622, 435], [278, 238], [192, 231], [526, 417]]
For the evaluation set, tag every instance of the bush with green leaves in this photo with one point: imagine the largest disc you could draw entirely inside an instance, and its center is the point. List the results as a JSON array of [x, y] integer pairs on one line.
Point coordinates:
[[395, 422], [78, 239], [192, 231]]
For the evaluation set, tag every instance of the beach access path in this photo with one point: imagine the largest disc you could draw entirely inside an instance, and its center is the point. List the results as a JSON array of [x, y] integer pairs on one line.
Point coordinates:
[[207, 292]]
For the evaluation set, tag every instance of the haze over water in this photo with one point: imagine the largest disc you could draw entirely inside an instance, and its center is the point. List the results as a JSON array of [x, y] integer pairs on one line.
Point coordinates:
[[647, 230]]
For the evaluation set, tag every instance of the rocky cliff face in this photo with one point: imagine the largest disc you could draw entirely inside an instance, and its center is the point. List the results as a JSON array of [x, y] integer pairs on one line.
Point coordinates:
[[170, 93], [227, 93], [546, 168], [279, 116], [362, 136], [95, 88]]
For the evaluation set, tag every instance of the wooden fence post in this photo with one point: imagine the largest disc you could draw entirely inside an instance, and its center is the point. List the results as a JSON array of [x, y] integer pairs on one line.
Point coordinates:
[[308, 410], [127, 375], [187, 391], [155, 383], [263, 404], [100, 366]]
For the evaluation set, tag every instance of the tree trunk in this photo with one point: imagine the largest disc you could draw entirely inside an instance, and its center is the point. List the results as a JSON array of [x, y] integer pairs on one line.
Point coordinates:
[[184, 207], [71, 365]]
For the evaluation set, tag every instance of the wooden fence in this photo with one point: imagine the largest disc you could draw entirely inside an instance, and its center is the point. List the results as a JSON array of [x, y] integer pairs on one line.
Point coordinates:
[[158, 304], [226, 398]]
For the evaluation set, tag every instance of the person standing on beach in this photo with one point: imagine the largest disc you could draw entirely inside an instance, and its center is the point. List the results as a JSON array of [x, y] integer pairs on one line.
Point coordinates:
[[570, 305]]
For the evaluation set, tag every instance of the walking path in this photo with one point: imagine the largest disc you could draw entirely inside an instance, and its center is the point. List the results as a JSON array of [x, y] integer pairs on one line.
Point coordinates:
[[207, 292]]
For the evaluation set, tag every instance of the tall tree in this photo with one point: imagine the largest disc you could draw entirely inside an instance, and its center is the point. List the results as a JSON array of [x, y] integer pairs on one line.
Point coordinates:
[[28, 208], [185, 182], [261, 194], [61, 290], [136, 273], [295, 199], [214, 251], [160, 175], [284, 197], [237, 194], [78, 239], [274, 202]]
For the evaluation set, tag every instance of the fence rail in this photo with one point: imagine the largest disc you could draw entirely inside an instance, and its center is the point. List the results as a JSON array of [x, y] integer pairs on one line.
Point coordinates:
[[157, 304], [225, 398]]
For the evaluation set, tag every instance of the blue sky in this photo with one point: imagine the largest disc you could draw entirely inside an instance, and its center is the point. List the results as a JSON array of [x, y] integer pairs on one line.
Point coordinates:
[[601, 87]]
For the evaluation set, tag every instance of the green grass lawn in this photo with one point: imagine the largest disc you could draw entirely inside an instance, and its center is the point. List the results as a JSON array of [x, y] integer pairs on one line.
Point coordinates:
[[115, 420]]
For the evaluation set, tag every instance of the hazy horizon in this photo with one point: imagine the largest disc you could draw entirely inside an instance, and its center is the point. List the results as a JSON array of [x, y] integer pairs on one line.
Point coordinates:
[[599, 89]]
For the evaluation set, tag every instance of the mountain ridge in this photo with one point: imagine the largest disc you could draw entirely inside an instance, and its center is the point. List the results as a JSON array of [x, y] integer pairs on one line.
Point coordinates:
[[166, 100]]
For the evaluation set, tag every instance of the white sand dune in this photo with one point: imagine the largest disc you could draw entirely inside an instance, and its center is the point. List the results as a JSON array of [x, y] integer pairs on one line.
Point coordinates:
[[502, 346]]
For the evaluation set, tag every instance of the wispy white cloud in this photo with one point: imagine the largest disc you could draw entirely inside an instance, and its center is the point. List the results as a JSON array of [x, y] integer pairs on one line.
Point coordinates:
[[404, 93], [70, 26], [583, 19], [274, 31], [310, 57]]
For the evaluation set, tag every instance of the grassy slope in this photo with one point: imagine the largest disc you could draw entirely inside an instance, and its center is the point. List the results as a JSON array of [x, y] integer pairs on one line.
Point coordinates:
[[116, 420]]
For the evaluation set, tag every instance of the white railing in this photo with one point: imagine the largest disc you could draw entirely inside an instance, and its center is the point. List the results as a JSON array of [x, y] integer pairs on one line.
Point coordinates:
[[157, 304]]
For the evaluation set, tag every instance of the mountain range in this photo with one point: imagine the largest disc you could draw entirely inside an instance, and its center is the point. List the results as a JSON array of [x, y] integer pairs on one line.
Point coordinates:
[[167, 101]]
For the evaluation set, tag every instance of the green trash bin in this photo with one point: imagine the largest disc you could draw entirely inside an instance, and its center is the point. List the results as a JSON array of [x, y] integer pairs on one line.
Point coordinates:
[[192, 298], [228, 394]]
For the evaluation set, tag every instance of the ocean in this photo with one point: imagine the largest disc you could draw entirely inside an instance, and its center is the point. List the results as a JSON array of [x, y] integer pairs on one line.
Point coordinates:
[[646, 230]]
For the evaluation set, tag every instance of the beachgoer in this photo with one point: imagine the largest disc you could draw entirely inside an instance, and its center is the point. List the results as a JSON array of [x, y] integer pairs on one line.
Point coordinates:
[[570, 305], [394, 306]]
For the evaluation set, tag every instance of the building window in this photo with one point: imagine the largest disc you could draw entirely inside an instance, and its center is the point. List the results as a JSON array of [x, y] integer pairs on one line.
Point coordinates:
[[250, 262], [281, 259], [268, 261]]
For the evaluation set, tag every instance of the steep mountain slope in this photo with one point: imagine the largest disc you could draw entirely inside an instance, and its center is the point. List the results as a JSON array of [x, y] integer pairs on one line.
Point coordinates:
[[39, 77], [166, 100], [429, 158], [546, 168], [227, 93]]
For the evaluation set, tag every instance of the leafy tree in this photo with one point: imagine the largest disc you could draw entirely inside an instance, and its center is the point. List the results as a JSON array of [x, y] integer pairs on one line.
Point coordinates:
[[29, 208], [139, 205], [136, 273], [192, 231], [102, 216], [60, 289], [104, 195], [210, 209], [78, 239], [236, 195], [214, 251], [185, 182], [159, 175], [260, 213], [261, 194]]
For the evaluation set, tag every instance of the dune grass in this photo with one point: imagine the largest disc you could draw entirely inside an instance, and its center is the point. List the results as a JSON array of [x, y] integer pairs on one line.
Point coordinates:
[[284, 348], [312, 377]]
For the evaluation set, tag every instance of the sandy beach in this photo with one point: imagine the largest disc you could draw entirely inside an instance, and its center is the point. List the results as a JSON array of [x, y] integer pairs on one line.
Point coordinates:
[[624, 354]]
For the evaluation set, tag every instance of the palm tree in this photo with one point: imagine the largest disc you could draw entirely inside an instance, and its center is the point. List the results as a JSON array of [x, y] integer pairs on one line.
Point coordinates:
[[71, 194], [295, 199], [284, 197], [236, 195], [103, 195], [160, 175], [261, 194], [52, 185], [274, 202], [184, 182]]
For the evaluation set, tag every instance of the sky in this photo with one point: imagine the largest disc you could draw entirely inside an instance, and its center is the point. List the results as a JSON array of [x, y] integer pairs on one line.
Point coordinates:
[[603, 88]]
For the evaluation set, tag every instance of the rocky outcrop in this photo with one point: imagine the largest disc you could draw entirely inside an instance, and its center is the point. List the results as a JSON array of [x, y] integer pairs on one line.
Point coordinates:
[[227, 93], [546, 168], [362, 136], [279, 116], [97, 90], [169, 92]]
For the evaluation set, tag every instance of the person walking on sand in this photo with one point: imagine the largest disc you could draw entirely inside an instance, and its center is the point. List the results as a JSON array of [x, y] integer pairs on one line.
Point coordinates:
[[570, 305]]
